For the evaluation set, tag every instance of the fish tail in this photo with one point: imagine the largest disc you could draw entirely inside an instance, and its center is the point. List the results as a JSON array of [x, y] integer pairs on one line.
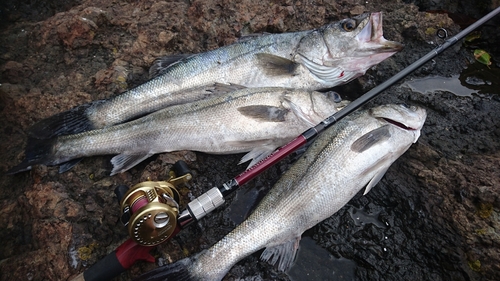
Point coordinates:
[[178, 271], [38, 151], [68, 122]]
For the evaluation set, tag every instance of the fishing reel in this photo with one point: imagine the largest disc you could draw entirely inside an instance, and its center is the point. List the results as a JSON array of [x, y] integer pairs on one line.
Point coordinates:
[[150, 209]]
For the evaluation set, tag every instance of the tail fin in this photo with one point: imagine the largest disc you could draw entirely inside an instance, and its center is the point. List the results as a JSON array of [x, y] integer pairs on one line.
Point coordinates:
[[37, 152], [177, 271], [68, 122]]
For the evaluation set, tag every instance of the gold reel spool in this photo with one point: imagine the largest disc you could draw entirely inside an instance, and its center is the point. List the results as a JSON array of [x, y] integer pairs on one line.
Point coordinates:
[[150, 210]]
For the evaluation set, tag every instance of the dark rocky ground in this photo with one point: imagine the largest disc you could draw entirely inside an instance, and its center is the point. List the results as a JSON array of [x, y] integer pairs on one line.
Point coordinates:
[[435, 215]]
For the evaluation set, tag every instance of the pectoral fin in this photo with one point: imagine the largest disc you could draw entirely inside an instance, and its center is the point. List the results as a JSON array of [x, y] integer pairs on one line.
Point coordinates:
[[371, 138], [123, 162], [160, 65], [265, 113], [285, 253], [276, 66]]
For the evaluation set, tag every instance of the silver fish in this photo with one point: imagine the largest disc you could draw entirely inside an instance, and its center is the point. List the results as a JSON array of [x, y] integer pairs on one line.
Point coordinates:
[[353, 154], [314, 59], [258, 120]]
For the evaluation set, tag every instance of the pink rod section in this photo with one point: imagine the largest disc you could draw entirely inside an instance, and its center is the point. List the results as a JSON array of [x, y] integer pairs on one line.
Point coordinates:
[[260, 167]]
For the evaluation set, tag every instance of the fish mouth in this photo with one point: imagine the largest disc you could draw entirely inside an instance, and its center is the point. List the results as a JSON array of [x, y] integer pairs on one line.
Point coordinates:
[[412, 130], [399, 124], [403, 117], [372, 39], [407, 117]]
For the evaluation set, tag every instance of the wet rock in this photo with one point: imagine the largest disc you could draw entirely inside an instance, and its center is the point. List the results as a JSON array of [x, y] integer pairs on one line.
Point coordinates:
[[435, 216], [14, 72]]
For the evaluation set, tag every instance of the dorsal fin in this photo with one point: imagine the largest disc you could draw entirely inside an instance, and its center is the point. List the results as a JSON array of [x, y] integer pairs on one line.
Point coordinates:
[[161, 64], [252, 36], [221, 88]]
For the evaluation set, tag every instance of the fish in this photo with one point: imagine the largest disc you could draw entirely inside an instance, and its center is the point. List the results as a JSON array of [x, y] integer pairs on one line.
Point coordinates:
[[253, 120], [352, 155], [311, 60]]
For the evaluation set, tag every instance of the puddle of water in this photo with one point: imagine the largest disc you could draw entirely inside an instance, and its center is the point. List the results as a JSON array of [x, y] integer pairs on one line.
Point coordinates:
[[476, 78], [428, 85], [361, 217], [316, 263], [482, 79]]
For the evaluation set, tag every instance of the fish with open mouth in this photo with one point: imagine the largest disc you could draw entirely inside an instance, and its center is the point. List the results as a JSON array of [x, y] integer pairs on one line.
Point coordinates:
[[253, 120], [311, 60], [352, 155]]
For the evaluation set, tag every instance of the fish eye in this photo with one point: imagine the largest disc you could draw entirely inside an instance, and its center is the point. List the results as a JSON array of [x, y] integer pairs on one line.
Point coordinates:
[[410, 107], [334, 96], [349, 25]]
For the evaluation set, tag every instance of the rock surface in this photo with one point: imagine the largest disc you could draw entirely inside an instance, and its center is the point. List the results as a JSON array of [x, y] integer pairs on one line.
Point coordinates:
[[435, 215]]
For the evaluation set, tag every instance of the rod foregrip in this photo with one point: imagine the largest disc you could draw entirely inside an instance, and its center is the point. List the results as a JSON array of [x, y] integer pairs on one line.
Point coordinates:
[[116, 262], [105, 269]]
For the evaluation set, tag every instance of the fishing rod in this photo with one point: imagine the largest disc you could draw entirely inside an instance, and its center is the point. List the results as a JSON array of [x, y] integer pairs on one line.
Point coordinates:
[[163, 221]]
